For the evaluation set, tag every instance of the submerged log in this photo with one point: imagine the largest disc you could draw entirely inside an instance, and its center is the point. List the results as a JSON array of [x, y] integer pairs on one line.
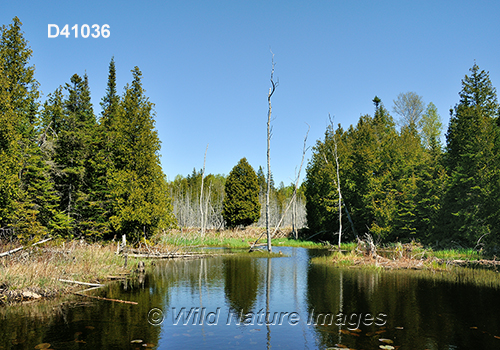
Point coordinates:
[[107, 299]]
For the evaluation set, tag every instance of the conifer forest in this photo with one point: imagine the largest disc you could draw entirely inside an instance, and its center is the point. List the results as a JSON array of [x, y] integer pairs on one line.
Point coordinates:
[[398, 174]]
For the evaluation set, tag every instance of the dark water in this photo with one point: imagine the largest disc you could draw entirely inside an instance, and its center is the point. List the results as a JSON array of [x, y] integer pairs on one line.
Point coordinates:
[[225, 303]]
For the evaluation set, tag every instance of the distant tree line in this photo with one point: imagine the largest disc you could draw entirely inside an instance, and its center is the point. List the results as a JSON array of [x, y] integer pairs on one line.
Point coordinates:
[[185, 194], [399, 183], [68, 172]]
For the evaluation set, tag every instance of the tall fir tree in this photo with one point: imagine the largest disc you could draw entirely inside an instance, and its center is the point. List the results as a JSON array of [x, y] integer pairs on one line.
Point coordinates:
[[72, 151], [34, 210], [472, 162], [9, 181], [100, 166]]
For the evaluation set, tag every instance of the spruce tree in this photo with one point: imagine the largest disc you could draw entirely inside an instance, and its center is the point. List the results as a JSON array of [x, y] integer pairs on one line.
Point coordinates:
[[241, 206], [9, 181], [34, 198], [472, 161], [72, 153]]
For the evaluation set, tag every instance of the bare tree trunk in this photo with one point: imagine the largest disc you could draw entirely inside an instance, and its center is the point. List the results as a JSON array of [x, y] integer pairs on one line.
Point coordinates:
[[201, 194], [338, 188], [271, 92], [335, 154]]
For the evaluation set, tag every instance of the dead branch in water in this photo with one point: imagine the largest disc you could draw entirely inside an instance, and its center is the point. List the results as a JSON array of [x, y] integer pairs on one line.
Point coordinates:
[[107, 299]]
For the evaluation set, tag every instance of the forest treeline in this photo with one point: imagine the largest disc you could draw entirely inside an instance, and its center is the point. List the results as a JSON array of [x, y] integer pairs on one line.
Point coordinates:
[[68, 172], [397, 180], [185, 194]]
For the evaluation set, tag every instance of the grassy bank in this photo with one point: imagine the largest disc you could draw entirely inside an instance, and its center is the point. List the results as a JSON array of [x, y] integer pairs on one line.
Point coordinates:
[[35, 272], [404, 256], [232, 239]]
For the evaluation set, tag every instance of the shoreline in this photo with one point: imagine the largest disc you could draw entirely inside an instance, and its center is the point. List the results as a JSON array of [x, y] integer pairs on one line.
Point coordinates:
[[56, 270], [59, 268]]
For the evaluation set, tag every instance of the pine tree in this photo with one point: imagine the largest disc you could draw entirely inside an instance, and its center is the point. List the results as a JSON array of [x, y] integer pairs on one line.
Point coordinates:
[[241, 203]]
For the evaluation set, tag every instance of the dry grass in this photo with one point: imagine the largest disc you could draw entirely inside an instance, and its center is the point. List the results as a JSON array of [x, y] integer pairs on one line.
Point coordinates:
[[35, 272]]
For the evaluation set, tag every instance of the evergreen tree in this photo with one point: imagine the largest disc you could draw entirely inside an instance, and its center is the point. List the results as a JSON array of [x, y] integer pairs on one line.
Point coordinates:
[[471, 161], [241, 203], [34, 198], [383, 175], [100, 166], [261, 179], [72, 151], [138, 187], [9, 181]]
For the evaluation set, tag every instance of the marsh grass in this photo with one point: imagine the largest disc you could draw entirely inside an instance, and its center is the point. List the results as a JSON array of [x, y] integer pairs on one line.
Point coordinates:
[[232, 239], [39, 269], [411, 256], [465, 254]]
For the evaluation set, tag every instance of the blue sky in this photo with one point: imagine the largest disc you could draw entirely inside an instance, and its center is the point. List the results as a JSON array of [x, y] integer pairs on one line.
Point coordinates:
[[206, 65]]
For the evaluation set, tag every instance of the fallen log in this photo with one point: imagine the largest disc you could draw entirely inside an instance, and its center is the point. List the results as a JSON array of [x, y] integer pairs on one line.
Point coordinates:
[[82, 283], [107, 299], [21, 248], [168, 256]]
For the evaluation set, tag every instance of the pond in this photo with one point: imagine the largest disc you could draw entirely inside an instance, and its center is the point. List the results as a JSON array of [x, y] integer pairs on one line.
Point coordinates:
[[286, 302]]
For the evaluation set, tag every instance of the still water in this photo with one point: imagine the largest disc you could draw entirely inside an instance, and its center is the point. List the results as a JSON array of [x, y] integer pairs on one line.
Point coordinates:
[[286, 302]]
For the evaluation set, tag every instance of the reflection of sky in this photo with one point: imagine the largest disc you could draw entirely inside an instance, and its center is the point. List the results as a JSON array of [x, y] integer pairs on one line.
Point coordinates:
[[287, 295], [435, 310]]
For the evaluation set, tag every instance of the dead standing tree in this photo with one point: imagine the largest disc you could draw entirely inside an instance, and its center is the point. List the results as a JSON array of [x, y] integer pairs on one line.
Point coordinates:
[[268, 191], [335, 154], [201, 195]]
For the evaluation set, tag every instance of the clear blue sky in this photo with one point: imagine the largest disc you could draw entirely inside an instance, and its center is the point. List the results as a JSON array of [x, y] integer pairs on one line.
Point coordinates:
[[206, 65]]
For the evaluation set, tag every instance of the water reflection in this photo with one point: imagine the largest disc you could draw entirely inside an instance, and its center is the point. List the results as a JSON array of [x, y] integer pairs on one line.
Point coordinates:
[[225, 302], [242, 277]]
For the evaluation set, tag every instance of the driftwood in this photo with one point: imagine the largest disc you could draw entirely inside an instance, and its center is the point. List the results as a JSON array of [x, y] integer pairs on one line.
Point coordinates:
[[107, 299], [167, 255], [82, 283], [21, 248], [470, 263]]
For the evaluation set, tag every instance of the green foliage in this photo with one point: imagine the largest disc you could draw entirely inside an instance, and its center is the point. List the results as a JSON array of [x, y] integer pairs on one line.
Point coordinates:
[[401, 186], [137, 185], [65, 174], [241, 203], [28, 197], [386, 180], [472, 162]]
